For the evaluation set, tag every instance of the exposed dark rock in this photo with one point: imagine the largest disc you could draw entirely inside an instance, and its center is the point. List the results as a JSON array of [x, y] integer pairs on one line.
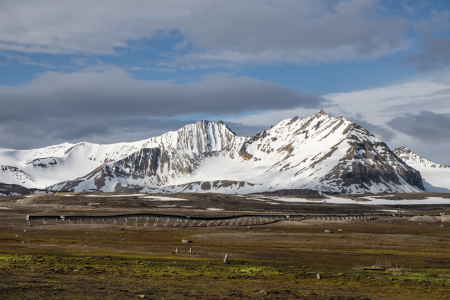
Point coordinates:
[[38, 162], [206, 186], [361, 172], [292, 192], [243, 151], [11, 189]]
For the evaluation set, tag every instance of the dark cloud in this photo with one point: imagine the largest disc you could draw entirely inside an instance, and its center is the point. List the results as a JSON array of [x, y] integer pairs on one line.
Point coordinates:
[[245, 130], [83, 131], [380, 131], [113, 94], [435, 55], [426, 126], [26, 134], [111, 106]]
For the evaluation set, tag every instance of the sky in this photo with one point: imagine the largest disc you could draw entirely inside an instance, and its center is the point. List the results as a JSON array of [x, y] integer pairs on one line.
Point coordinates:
[[119, 71]]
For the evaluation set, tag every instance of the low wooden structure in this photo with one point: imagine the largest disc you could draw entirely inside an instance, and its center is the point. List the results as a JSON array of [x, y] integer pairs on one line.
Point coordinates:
[[165, 220]]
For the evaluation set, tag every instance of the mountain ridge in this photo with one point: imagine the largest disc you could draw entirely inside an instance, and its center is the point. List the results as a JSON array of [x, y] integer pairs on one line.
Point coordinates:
[[320, 152], [436, 177]]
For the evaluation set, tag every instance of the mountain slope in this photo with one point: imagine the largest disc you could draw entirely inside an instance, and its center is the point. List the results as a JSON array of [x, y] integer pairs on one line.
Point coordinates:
[[15, 175], [436, 177], [323, 153]]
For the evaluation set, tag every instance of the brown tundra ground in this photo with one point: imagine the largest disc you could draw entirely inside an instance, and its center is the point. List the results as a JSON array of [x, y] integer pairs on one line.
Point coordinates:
[[384, 258]]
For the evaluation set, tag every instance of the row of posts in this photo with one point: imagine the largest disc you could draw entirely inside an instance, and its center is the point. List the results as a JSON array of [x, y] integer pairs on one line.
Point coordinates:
[[230, 222], [177, 222]]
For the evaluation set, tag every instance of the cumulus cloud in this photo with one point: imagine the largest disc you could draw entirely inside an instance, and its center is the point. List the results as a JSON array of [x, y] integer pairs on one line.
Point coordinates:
[[286, 31], [426, 126], [84, 105]]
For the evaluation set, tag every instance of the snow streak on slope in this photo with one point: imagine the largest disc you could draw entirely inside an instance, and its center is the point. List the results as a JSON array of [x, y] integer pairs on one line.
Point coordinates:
[[436, 177], [320, 153]]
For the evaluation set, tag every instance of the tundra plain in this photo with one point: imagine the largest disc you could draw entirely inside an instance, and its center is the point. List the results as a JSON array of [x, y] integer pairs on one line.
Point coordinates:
[[395, 257]]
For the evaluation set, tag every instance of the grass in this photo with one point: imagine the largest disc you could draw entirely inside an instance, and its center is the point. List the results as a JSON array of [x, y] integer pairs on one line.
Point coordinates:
[[112, 276], [55, 263]]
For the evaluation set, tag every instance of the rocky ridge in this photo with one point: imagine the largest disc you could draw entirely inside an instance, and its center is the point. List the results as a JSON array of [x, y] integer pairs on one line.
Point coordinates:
[[416, 160]]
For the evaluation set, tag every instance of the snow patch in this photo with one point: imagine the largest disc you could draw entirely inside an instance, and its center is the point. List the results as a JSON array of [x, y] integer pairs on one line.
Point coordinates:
[[161, 198], [282, 199], [110, 196], [428, 200]]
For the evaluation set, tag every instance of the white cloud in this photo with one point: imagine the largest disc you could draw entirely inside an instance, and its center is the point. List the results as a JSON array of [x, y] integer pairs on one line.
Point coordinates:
[[237, 31], [385, 103]]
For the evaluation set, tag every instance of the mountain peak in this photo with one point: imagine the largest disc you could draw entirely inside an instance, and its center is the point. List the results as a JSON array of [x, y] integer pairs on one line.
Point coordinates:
[[321, 113], [203, 136], [402, 149]]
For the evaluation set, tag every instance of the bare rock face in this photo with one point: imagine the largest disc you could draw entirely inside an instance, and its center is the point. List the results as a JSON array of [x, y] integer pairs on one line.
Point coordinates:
[[243, 151], [293, 192], [244, 154], [369, 162], [205, 137]]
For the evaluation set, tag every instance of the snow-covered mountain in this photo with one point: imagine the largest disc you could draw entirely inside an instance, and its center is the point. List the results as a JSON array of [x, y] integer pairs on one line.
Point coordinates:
[[332, 155], [436, 177], [320, 152]]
